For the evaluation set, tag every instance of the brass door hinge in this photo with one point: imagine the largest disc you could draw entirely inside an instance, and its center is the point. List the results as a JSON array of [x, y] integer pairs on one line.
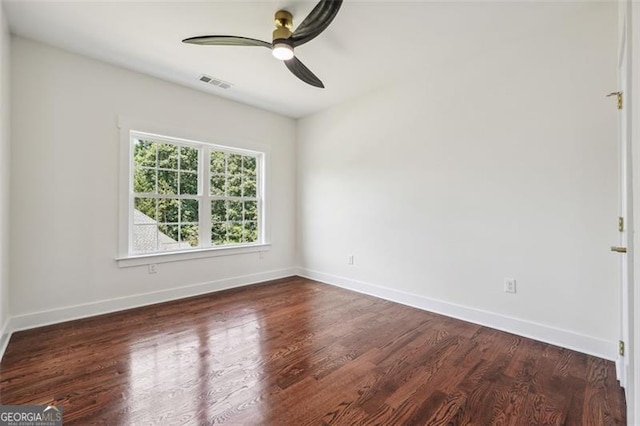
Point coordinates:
[[618, 95], [621, 347], [620, 224]]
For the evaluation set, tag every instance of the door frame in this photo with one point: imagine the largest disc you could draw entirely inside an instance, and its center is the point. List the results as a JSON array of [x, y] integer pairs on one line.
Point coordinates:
[[625, 199], [630, 14]]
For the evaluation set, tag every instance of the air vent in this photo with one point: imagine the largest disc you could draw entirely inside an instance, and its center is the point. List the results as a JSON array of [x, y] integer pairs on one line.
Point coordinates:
[[216, 82]]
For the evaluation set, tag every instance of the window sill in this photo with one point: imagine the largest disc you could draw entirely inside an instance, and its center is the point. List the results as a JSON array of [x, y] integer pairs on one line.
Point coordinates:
[[176, 256]]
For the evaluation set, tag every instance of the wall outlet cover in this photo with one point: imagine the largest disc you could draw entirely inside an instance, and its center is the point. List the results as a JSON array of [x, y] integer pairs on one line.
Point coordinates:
[[509, 285]]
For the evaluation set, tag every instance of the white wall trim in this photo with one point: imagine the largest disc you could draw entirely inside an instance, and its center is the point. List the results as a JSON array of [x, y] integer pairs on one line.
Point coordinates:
[[544, 333], [201, 253], [620, 371], [5, 335], [69, 313]]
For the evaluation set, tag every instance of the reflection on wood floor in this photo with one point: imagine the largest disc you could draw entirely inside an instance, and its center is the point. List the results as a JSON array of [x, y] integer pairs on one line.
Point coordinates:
[[297, 352]]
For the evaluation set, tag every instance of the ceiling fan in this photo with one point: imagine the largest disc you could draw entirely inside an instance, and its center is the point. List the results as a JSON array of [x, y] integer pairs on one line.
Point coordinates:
[[284, 41]]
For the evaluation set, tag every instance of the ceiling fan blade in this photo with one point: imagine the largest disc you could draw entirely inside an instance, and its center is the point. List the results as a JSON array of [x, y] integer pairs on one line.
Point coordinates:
[[303, 73], [316, 21], [223, 40]]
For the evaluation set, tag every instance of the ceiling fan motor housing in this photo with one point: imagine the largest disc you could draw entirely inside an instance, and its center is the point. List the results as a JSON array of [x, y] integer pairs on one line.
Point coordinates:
[[284, 23]]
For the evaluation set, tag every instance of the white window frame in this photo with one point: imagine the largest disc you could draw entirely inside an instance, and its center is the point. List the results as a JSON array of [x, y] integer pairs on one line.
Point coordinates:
[[131, 130]]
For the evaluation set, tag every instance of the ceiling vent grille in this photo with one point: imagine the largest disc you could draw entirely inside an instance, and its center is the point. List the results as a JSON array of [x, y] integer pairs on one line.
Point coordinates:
[[215, 82]]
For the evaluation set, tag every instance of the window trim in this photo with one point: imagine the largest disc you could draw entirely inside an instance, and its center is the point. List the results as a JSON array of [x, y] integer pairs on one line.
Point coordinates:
[[197, 253], [129, 127]]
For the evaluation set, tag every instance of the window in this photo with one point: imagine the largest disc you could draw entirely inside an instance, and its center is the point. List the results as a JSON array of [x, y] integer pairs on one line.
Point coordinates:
[[186, 195]]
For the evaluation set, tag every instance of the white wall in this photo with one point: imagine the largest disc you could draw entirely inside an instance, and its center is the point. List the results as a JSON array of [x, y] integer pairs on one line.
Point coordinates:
[[4, 176], [64, 199], [502, 163]]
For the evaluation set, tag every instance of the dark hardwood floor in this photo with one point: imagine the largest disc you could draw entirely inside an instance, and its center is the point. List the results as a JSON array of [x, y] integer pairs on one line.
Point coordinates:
[[296, 352]]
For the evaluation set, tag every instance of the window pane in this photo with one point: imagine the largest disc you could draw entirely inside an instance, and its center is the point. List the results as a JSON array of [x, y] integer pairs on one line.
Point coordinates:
[[249, 167], [250, 232], [218, 185], [167, 182], [144, 210], [144, 153], [188, 183], [168, 237], [167, 156], [234, 164], [144, 181], [189, 236], [189, 211], [218, 233], [249, 187], [234, 186], [234, 235], [234, 210], [250, 210], [218, 162], [168, 210], [188, 158], [145, 238], [218, 211]]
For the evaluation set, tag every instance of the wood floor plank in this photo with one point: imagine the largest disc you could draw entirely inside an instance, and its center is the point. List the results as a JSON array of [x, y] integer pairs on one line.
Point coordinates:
[[297, 352]]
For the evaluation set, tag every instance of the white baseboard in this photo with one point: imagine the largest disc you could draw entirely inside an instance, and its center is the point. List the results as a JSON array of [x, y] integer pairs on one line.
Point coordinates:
[[4, 337], [38, 319], [544, 333], [564, 338]]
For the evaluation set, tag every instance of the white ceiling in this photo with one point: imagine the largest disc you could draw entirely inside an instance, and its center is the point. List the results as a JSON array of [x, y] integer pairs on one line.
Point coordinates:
[[369, 45]]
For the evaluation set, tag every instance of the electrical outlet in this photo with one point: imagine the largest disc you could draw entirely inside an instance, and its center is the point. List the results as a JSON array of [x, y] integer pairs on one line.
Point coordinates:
[[350, 260], [152, 268], [509, 285]]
